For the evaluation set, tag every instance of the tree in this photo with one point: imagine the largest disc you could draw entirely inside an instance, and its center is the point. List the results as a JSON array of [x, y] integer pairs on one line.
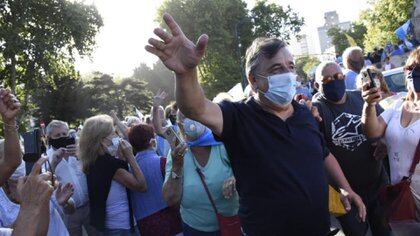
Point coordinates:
[[384, 17], [123, 97], [228, 25], [157, 77], [64, 99], [272, 20], [305, 64], [35, 33], [338, 39], [342, 39]]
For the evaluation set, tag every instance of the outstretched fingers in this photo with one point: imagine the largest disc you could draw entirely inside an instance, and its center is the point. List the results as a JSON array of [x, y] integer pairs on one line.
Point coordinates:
[[173, 26], [201, 44], [156, 52], [163, 35]]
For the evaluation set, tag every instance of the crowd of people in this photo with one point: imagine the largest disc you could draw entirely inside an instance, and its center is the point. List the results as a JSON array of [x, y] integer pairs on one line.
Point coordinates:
[[260, 166]]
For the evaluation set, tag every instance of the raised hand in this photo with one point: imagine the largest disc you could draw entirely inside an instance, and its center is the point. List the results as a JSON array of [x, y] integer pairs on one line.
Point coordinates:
[[176, 51], [63, 194], [126, 150], [371, 96], [160, 96], [33, 190], [9, 105], [178, 156]]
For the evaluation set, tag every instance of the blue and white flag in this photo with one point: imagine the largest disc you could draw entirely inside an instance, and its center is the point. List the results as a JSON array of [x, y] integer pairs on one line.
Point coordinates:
[[401, 32]]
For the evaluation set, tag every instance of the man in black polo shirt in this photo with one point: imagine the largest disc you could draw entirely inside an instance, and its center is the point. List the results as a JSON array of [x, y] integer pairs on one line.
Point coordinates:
[[277, 153]]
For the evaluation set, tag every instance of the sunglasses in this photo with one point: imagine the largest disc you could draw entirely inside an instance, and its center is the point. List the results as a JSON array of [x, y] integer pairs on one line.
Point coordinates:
[[336, 76]]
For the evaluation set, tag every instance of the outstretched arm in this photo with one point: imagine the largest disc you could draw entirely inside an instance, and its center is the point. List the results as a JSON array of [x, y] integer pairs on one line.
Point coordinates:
[[9, 108], [157, 120], [182, 56]]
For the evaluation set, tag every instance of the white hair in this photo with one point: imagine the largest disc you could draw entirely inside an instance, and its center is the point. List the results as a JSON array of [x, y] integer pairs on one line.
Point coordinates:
[[132, 120], [55, 124], [347, 53], [320, 68]]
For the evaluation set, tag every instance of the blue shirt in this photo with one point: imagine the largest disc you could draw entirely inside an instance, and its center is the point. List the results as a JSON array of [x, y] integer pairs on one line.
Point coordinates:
[[350, 79], [279, 169], [150, 202], [196, 210]]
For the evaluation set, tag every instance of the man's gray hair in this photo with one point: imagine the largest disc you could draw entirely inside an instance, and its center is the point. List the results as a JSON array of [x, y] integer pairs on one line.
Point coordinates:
[[347, 53], [320, 68], [55, 124], [261, 48]]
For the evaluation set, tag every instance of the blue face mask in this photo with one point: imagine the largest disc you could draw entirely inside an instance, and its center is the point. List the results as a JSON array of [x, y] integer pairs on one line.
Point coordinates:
[[281, 88], [413, 80], [193, 129], [334, 90]]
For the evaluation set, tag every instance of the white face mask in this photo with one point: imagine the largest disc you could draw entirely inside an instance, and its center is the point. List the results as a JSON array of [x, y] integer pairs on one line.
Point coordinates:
[[113, 148], [281, 88]]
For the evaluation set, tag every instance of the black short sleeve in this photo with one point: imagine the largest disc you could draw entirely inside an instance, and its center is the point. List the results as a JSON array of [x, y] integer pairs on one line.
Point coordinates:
[[228, 114]]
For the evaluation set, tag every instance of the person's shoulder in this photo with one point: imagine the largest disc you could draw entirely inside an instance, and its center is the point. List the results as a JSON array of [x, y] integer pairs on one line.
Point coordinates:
[[245, 104], [107, 159]]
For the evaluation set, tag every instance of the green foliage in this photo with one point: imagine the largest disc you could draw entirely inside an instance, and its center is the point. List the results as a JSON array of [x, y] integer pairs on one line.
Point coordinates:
[[122, 97], [272, 20], [227, 24], [157, 77], [384, 17], [64, 99], [37, 42], [231, 28], [342, 39], [305, 64]]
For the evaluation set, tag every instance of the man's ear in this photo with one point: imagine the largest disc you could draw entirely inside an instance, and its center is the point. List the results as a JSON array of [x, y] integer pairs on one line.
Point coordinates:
[[252, 81], [316, 86]]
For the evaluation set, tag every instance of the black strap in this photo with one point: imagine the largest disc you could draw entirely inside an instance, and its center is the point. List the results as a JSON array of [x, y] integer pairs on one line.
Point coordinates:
[[130, 210], [203, 181]]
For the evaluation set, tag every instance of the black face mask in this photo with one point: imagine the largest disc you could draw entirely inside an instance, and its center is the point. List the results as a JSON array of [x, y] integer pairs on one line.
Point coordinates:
[[357, 65], [61, 142]]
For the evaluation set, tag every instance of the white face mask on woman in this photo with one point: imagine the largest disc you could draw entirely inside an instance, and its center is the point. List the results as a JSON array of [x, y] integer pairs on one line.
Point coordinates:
[[113, 148]]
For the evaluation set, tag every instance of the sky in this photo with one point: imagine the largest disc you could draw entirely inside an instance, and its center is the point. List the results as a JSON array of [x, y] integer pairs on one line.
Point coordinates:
[[128, 24]]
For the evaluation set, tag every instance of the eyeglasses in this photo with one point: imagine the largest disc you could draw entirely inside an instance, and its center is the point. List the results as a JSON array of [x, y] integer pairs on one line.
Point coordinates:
[[337, 76]]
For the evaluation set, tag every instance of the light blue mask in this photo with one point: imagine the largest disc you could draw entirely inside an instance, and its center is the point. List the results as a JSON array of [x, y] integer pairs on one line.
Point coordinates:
[[193, 129], [281, 88]]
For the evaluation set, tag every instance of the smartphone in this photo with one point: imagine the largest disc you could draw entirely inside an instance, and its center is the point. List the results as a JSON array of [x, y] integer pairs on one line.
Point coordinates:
[[172, 137], [48, 167], [368, 77], [32, 144]]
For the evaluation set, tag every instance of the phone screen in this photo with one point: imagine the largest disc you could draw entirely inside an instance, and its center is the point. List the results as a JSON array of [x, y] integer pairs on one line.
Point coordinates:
[[172, 137]]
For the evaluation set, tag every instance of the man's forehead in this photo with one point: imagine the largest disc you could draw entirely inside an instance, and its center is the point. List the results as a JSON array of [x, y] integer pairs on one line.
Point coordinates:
[[283, 57], [333, 68]]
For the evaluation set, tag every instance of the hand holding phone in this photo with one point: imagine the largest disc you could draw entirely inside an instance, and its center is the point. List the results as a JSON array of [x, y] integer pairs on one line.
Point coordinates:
[[172, 137], [368, 77]]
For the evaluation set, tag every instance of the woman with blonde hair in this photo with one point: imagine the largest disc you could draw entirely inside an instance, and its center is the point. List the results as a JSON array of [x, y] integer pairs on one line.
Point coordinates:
[[105, 159], [399, 126]]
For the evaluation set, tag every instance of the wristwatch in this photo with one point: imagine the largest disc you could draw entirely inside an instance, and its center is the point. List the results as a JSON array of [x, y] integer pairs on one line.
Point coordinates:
[[175, 175]]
